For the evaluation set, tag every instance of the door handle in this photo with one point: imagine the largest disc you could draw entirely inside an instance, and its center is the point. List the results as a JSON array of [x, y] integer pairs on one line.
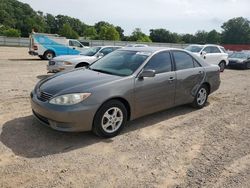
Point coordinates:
[[171, 79], [204, 57]]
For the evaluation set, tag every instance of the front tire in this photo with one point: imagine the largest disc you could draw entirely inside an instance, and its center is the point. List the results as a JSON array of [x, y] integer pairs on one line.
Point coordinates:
[[222, 66], [110, 119], [201, 97]]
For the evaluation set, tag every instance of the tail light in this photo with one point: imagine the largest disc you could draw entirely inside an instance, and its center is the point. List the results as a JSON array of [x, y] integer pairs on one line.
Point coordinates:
[[35, 47]]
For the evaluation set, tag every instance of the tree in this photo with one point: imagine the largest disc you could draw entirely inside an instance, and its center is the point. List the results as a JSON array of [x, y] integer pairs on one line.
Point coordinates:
[[139, 36], [100, 24], [90, 33], [51, 24], [68, 32], [213, 37], [236, 31], [11, 33], [108, 33], [201, 37], [188, 38], [120, 31]]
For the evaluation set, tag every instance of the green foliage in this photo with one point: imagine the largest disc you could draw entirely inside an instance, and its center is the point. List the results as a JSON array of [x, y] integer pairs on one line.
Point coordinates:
[[100, 24], [120, 31], [163, 35], [139, 36], [90, 33], [213, 37], [108, 33], [11, 33], [188, 38], [236, 31], [201, 37], [68, 32]]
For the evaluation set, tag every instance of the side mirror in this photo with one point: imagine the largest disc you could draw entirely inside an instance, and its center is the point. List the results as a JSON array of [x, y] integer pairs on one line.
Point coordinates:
[[203, 53], [99, 55], [147, 73]]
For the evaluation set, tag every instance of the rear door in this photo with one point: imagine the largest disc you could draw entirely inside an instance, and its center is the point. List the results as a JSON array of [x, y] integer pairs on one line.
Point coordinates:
[[157, 93], [189, 75], [213, 55]]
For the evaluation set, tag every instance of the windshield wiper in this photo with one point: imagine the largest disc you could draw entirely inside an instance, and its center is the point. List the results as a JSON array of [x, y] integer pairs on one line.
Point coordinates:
[[102, 71]]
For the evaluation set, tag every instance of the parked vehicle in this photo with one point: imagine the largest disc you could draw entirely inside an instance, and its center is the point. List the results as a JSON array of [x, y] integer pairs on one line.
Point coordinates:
[[124, 85], [47, 46], [212, 54], [240, 59], [136, 45], [87, 57]]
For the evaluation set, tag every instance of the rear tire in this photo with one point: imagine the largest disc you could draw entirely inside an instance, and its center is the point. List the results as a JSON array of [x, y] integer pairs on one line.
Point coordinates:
[[200, 99], [222, 66], [48, 55], [110, 119]]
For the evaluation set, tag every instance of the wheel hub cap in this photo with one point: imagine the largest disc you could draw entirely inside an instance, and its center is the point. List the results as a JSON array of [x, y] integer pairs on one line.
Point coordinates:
[[112, 120], [202, 95]]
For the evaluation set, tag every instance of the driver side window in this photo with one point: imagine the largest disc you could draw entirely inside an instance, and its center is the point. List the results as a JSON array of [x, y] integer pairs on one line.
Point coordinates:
[[207, 50], [75, 43], [160, 62]]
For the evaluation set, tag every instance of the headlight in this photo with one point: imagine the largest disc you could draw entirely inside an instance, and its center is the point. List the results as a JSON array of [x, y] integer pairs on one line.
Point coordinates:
[[69, 99], [67, 63]]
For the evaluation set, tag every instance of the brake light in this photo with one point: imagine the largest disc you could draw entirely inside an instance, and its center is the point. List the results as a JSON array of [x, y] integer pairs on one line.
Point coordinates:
[[35, 47]]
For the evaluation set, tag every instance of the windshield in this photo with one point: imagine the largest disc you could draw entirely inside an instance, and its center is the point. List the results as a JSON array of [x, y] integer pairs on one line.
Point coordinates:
[[90, 51], [193, 48], [239, 55], [120, 63]]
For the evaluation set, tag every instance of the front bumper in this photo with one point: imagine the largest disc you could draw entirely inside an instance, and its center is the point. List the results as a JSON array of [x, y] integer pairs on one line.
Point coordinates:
[[74, 118], [58, 68], [236, 64]]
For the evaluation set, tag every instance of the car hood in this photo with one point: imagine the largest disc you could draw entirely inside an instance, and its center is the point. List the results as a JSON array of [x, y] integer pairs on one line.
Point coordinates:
[[81, 58], [236, 59], [81, 80], [64, 57]]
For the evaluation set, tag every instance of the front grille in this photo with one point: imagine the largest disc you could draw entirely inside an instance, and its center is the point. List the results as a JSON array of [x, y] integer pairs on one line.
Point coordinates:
[[52, 62], [43, 96]]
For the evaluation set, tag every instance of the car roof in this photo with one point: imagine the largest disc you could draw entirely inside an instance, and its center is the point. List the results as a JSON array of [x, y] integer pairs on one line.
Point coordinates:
[[205, 45], [148, 49], [107, 46]]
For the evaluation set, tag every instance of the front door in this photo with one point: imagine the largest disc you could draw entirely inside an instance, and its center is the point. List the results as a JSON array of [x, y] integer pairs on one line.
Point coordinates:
[[156, 93]]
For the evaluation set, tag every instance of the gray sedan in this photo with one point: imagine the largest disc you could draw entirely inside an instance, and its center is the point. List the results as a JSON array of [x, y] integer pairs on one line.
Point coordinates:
[[122, 86]]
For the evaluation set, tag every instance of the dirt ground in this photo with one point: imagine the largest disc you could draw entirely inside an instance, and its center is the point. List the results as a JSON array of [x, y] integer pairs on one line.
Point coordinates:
[[180, 147]]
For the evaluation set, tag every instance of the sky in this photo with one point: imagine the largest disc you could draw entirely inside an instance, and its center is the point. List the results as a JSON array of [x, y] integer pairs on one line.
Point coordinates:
[[181, 16]]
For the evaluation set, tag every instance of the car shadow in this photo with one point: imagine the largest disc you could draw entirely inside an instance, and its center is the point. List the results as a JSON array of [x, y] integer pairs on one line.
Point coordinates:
[[27, 59], [27, 137], [41, 77]]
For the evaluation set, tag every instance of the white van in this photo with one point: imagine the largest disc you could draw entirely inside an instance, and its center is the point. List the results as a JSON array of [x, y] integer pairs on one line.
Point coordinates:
[[47, 46]]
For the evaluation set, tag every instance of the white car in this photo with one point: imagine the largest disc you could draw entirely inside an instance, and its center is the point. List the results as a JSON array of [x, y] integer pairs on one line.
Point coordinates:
[[213, 54], [87, 57]]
